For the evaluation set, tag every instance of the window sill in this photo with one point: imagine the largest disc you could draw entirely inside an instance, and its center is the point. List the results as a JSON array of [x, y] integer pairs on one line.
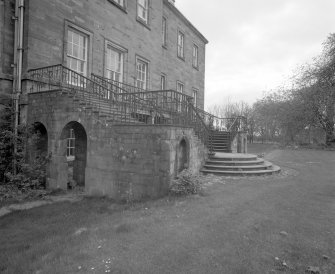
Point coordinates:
[[181, 58], [118, 6], [139, 20], [70, 158]]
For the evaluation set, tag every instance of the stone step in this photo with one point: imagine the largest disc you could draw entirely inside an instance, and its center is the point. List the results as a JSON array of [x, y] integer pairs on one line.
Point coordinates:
[[233, 157], [220, 145], [274, 169], [264, 166], [234, 163], [219, 137], [222, 150], [219, 140]]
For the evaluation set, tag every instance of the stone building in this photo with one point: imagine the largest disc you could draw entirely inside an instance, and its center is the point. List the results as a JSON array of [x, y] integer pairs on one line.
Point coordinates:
[[147, 44], [115, 88]]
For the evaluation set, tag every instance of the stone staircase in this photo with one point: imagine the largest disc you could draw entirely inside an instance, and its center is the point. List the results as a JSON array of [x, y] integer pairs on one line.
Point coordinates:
[[220, 141], [106, 112], [233, 164]]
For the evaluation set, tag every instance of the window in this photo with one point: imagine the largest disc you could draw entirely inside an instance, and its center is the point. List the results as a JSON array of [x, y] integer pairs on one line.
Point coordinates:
[[163, 82], [195, 97], [180, 87], [141, 73], [142, 10], [114, 64], [70, 142], [195, 56], [77, 44], [180, 44], [164, 31]]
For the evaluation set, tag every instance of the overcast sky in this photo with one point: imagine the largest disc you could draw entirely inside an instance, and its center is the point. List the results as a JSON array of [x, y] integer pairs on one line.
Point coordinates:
[[254, 45]]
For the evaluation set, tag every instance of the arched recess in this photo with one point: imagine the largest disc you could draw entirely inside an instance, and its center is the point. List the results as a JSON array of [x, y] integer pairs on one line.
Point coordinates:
[[37, 151], [75, 138], [182, 155]]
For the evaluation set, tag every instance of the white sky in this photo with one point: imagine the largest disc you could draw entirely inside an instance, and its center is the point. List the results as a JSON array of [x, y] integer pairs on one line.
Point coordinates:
[[254, 45]]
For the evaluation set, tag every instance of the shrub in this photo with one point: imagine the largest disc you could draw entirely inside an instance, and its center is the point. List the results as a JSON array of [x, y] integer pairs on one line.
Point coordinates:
[[28, 174], [185, 183]]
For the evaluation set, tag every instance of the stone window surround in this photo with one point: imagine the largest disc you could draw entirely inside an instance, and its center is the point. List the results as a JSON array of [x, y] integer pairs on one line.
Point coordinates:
[[80, 55], [182, 55], [139, 19], [121, 7], [164, 32], [196, 66], [70, 25], [117, 47], [147, 62], [182, 84], [195, 98], [163, 76]]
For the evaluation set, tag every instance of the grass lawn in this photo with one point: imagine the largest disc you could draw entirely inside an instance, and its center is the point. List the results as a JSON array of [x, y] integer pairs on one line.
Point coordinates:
[[278, 224]]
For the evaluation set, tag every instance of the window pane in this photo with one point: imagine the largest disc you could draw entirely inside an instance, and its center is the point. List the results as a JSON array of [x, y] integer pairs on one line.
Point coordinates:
[[76, 38], [141, 74], [77, 51], [142, 9], [180, 44], [114, 64]]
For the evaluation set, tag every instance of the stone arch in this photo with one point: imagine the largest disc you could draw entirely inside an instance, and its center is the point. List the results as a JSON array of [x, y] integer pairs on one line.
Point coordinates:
[[74, 148], [41, 143], [37, 151], [182, 155]]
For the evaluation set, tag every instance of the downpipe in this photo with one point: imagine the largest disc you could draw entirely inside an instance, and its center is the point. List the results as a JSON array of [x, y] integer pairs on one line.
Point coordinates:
[[17, 85]]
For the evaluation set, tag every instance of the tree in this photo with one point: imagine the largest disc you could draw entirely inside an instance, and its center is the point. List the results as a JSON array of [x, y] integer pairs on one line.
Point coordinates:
[[316, 87]]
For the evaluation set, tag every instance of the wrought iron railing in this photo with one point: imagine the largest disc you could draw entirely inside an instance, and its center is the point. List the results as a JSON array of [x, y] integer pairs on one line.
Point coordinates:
[[123, 103], [238, 123], [117, 87], [111, 98], [167, 100]]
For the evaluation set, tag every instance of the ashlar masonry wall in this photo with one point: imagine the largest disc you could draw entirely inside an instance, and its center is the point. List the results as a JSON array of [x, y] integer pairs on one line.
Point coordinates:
[[118, 161], [139, 161]]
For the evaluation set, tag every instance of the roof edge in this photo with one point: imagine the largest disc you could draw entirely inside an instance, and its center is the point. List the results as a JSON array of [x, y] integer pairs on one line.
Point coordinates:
[[185, 20]]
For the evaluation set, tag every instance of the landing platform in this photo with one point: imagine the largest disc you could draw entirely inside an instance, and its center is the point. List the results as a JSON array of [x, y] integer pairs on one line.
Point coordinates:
[[232, 155]]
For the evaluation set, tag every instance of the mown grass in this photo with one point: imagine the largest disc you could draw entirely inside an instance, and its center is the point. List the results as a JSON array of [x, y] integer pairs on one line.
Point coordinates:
[[235, 227]]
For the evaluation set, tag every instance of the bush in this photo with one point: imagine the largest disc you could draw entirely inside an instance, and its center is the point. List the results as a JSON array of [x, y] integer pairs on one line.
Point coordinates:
[[28, 174], [186, 183]]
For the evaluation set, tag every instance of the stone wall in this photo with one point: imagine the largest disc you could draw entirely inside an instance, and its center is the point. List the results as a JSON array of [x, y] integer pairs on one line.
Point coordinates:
[[139, 160], [123, 161]]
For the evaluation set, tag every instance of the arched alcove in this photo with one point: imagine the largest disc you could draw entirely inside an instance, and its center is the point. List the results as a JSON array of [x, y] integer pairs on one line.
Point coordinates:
[[75, 138], [182, 155], [37, 151]]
